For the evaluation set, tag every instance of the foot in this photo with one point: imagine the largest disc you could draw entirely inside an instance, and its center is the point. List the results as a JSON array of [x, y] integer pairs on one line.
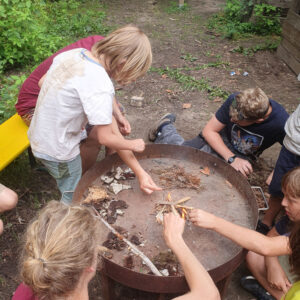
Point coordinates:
[[250, 284], [157, 126], [262, 227]]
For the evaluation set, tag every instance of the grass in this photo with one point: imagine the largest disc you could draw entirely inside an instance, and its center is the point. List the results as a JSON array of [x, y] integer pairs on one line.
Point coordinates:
[[189, 82]]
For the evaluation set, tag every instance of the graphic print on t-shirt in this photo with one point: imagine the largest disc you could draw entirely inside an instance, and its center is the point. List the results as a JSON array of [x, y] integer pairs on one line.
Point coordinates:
[[245, 141]]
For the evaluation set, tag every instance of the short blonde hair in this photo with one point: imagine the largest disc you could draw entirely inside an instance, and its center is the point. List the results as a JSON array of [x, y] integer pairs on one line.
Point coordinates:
[[251, 104], [290, 183], [128, 53], [59, 245]]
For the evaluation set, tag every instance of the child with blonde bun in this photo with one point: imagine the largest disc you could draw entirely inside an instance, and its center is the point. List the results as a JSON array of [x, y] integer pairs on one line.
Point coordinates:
[[60, 254]]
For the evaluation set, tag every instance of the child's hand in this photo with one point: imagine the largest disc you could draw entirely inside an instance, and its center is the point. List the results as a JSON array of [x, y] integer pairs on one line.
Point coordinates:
[[277, 279], [147, 185], [243, 166], [202, 218], [173, 228], [123, 125], [138, 145]]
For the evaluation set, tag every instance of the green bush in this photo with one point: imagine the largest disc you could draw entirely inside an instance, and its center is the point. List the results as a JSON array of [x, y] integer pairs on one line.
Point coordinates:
[[32, 30], [242, 18]]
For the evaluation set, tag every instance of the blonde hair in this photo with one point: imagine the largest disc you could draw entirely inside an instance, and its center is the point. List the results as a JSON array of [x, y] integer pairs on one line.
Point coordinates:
[[251, 104], [59, 245], [127, 52], [290, 183]]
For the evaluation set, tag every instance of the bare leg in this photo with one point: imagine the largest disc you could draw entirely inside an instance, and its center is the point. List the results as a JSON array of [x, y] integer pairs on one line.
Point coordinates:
[[89, 150], [8, 199], [256, 264], [274, 208]]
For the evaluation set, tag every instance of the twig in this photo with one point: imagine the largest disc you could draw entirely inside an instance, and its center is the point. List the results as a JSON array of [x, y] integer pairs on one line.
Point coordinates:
[[183, 206], [182, 200], [136, 251]]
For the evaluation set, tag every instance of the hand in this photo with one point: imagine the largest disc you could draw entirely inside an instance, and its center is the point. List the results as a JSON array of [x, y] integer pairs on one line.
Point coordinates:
[[242, 165], [202, 218], [123, 125], [277, 279], [147, 184], [138, 145], [173, 228]]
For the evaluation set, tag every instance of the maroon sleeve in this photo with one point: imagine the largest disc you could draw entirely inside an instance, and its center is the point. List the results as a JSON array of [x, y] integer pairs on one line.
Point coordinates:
[[23, 292], [30, 90]]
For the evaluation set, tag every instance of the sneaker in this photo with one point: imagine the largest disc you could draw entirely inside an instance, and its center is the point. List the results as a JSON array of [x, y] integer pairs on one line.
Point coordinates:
[[250, 284], [262, 227], [157, 126]]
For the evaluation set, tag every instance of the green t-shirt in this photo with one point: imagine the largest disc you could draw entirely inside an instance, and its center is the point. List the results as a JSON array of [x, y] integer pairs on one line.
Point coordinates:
[[293, 293]]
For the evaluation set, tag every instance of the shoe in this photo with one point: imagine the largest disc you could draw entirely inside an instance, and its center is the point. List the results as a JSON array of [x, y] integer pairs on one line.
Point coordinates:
[[157, 126], [250, 284], [262, 227]]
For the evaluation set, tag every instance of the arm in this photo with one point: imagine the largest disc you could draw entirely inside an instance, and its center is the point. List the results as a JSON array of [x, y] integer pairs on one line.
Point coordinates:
[[275, 274], [123, 123], [199, 281], [212, 136], [107, 136], [41, 81], [145, 180], [246, 238]]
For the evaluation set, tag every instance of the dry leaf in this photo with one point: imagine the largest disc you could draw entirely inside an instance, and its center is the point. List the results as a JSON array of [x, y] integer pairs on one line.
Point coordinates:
[[218, 99], [228, 183], [164, 76], [205, 171], [186, 105], [169, 91]]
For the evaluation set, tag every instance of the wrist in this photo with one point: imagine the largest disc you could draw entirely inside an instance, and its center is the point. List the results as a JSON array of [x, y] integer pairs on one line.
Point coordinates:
[[231, 159]]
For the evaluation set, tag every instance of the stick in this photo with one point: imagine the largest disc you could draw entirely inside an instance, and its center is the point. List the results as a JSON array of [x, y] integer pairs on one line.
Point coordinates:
[[136, 251], [186, 207], [182, 200]]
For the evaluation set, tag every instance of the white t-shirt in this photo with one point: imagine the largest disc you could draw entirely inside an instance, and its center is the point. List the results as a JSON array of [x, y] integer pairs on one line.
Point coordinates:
[[292, 129], [75, 91]]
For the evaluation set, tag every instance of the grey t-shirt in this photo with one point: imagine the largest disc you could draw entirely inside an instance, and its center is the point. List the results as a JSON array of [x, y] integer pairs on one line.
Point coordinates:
[[292, 129]]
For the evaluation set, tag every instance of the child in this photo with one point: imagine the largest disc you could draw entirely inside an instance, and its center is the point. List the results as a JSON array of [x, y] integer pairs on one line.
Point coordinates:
[[289, 157], [60, 254], [8, 201], [78, 89], [243, 127], [199, 281], [264, 248]]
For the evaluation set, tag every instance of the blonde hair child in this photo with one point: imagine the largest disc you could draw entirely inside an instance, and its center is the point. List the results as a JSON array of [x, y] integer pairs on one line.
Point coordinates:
[[60, 252]]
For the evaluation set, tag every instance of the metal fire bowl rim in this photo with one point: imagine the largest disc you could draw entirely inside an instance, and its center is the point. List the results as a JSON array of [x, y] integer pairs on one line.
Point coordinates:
[[177, 152]]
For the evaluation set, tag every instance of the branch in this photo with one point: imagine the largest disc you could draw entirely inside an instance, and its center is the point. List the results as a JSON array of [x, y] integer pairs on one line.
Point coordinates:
[[133, 248]]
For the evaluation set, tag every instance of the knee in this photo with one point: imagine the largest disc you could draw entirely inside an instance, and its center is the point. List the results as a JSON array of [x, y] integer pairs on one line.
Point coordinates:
[[251, 259], [8, 200]]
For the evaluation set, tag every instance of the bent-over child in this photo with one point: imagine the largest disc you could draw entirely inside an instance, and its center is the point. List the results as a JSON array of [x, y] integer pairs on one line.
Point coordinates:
[[78, 89]]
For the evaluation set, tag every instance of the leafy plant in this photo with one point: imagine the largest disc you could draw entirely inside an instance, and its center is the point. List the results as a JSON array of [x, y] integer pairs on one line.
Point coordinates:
[[32, 30], [188, 57], [191, 83], [243, 18], [175, 8], [271, 46], [9, 94]]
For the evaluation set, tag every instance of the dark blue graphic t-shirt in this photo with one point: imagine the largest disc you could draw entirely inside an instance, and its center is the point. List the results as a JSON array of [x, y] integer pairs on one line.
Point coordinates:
[[252, 140]]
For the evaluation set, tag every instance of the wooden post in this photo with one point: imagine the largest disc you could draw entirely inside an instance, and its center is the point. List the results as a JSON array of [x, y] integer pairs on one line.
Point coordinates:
[[181, 3]]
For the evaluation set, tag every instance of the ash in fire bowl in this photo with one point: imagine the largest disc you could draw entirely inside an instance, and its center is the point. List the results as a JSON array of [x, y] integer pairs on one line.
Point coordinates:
[[133, 215]]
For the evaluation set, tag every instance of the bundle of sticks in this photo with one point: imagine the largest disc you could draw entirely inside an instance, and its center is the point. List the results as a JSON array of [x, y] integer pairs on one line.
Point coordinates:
[[174, 206]]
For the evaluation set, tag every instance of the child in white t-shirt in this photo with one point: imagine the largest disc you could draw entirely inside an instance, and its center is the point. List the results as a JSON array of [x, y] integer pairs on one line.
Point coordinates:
[[78, 89]]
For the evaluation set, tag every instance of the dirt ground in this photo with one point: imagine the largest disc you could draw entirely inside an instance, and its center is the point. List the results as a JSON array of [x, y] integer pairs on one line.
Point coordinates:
[[179, 39]]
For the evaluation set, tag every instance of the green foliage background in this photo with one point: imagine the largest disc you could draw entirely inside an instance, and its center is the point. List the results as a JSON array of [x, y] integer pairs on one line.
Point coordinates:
[[244, 17], [32, 30]]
